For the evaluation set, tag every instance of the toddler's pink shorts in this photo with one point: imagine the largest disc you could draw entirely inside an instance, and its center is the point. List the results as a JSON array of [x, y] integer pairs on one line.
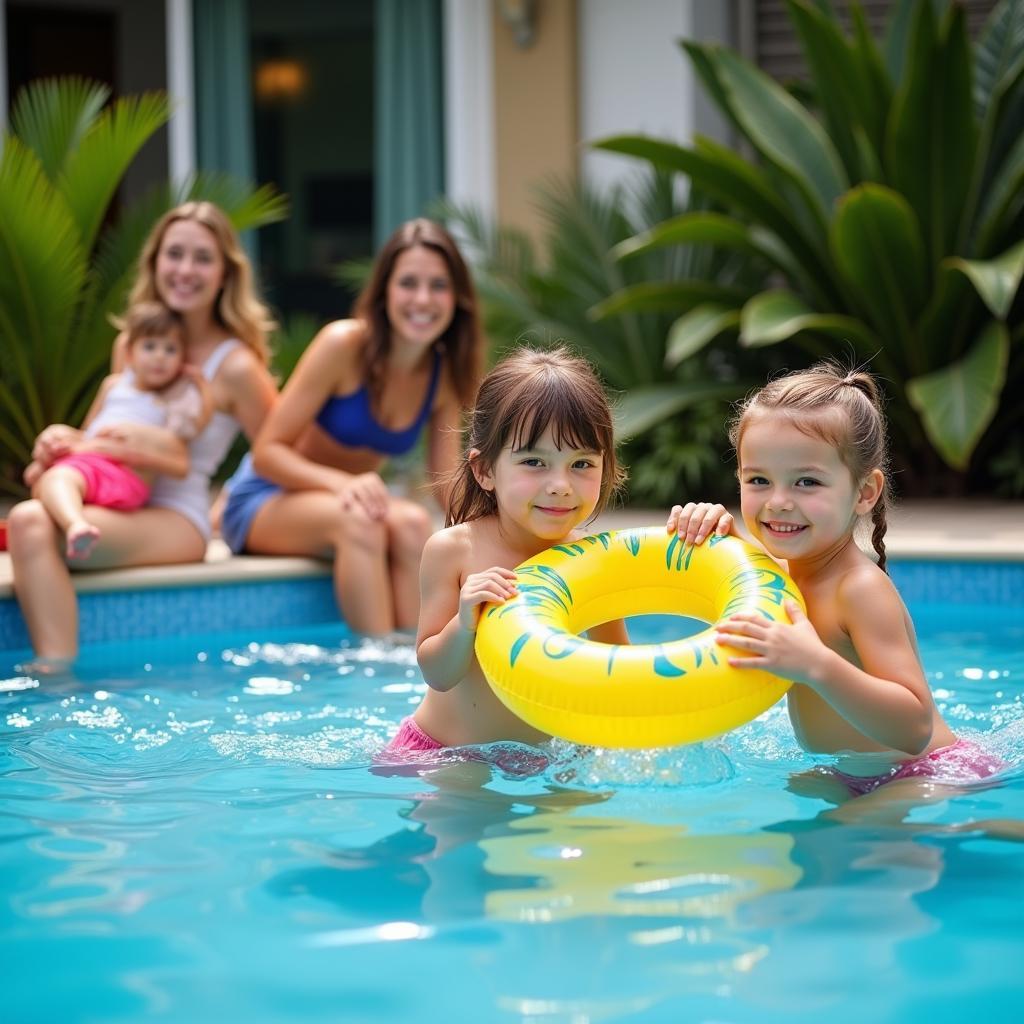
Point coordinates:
[[960, 762], [107, 483]]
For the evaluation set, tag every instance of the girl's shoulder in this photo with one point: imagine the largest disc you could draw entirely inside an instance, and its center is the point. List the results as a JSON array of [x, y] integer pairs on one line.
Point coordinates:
[[452, 538], [448, 550], [864, 586]]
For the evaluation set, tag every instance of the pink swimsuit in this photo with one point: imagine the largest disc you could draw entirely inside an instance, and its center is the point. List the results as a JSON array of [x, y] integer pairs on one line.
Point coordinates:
[[960, 762], [411, 744], [409, 741]]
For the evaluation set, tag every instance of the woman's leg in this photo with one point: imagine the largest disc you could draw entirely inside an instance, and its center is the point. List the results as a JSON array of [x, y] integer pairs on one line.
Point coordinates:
[[409, 527], [42, 581], [312, 523]]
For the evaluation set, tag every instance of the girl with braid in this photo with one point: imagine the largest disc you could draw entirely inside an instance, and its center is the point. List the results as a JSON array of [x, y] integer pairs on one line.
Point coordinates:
[[811, 448]]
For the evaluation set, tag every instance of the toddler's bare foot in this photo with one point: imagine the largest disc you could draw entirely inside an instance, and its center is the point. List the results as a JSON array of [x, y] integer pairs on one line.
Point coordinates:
[[81, 537]]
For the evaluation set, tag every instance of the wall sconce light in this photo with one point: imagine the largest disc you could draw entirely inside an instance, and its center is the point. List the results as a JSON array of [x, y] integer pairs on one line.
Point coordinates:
[[521, 17], [280, 79]]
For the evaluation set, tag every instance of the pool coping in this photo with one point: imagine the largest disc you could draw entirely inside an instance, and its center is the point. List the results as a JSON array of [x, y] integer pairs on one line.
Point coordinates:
[[931, 531]]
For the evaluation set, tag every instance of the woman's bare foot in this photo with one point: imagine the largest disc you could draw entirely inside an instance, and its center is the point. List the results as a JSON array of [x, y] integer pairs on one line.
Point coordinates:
[[81, 538]]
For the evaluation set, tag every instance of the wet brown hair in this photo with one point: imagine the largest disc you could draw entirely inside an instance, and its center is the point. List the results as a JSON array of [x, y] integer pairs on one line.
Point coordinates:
[[463, 339], [842, 407], [523, 395]]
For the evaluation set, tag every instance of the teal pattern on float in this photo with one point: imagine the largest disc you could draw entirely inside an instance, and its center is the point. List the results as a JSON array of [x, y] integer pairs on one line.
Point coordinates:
[[546, 597]]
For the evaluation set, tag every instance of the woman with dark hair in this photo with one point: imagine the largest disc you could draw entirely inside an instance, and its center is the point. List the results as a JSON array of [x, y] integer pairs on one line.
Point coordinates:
[[406, 364]]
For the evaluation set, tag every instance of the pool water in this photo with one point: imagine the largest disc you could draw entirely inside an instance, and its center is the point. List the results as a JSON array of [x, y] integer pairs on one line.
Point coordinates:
[[195, 831]]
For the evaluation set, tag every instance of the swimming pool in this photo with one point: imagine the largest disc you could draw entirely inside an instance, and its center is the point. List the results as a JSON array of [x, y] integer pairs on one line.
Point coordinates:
[[193, 831]]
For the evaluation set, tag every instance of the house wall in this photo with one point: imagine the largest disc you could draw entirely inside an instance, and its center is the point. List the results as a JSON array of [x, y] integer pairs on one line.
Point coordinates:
[[594, 68], [535, 108]]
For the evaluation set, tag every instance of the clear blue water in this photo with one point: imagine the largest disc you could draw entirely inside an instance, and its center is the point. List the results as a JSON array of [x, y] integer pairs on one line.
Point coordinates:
[[193, 831]]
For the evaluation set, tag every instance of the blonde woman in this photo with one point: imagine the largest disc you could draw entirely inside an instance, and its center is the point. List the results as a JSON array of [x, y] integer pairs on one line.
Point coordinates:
[[193, 263]]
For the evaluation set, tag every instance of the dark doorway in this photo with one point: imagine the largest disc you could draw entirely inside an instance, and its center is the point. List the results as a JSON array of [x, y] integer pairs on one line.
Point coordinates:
[[312, 66], [46, 42]]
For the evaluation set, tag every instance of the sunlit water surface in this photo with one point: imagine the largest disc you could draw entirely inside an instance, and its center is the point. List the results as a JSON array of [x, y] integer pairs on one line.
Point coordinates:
[[195, 831]]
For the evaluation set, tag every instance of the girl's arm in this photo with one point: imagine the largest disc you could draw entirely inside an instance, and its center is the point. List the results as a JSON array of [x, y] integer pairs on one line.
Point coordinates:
[[449, 611], [887, 699], [331, 358]]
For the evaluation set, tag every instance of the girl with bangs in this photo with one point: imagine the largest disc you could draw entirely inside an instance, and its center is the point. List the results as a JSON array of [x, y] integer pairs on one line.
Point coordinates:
[[540, 464]]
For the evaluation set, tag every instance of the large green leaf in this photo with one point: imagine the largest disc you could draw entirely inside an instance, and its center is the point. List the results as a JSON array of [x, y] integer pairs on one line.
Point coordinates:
[[691, 332], [877, 246], [932, 131], [996, 280], [694, 229], [1003, 199], [958, 402], [781, 129], [838, 90], [897, 37], [670, 296], [875, 91], [775, 316], [95, 169], [999, 54], [734, 182], [643, 408], [52, 115], [42, 269]]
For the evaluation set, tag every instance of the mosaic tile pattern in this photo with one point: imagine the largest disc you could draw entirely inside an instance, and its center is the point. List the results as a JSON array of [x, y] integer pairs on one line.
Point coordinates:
[[176, 611], [122, 615], [960, 583]]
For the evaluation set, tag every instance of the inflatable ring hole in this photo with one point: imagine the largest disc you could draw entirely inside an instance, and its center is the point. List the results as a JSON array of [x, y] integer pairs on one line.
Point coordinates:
[[664, 627]]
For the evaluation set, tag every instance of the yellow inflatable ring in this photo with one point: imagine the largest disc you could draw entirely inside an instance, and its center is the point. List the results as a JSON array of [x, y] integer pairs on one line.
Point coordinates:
[[643, 695]]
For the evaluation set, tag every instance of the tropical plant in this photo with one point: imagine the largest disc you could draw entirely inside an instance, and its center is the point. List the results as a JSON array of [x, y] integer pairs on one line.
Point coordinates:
[[62, 271], [891, 214], [546, 299]]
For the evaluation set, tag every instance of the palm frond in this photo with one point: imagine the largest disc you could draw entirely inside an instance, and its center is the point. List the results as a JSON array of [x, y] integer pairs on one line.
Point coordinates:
[[52, 115]]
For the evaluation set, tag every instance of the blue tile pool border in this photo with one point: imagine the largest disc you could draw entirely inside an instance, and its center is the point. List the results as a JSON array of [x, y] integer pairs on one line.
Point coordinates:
[[184, 610], [283, 603]]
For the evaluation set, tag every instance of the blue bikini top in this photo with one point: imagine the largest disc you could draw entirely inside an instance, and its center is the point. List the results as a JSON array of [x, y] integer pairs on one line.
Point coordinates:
[[349, 420]]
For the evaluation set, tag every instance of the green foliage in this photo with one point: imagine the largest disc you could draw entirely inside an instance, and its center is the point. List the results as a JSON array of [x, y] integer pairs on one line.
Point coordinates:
[[551, 299], [889, 211], [62, 274]]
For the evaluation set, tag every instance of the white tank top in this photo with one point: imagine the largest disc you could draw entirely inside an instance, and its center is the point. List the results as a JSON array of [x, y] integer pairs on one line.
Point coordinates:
[[191, 495]]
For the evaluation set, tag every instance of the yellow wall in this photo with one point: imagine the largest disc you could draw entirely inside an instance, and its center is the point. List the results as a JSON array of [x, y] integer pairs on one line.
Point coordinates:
[[535, 108]]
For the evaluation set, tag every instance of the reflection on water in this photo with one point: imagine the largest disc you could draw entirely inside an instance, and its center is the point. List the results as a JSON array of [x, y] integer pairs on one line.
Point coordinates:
[[218, 814]]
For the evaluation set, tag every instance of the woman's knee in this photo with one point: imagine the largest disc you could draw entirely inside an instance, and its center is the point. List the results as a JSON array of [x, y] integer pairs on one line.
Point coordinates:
[[356, 528], [409, 528], [28, 525]]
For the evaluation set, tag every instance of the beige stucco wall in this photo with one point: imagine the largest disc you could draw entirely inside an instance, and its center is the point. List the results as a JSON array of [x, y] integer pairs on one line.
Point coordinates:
[[535, 100]]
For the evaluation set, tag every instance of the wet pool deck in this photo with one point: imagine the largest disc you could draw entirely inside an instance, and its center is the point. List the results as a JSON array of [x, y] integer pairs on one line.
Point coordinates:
[[982, 531]]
